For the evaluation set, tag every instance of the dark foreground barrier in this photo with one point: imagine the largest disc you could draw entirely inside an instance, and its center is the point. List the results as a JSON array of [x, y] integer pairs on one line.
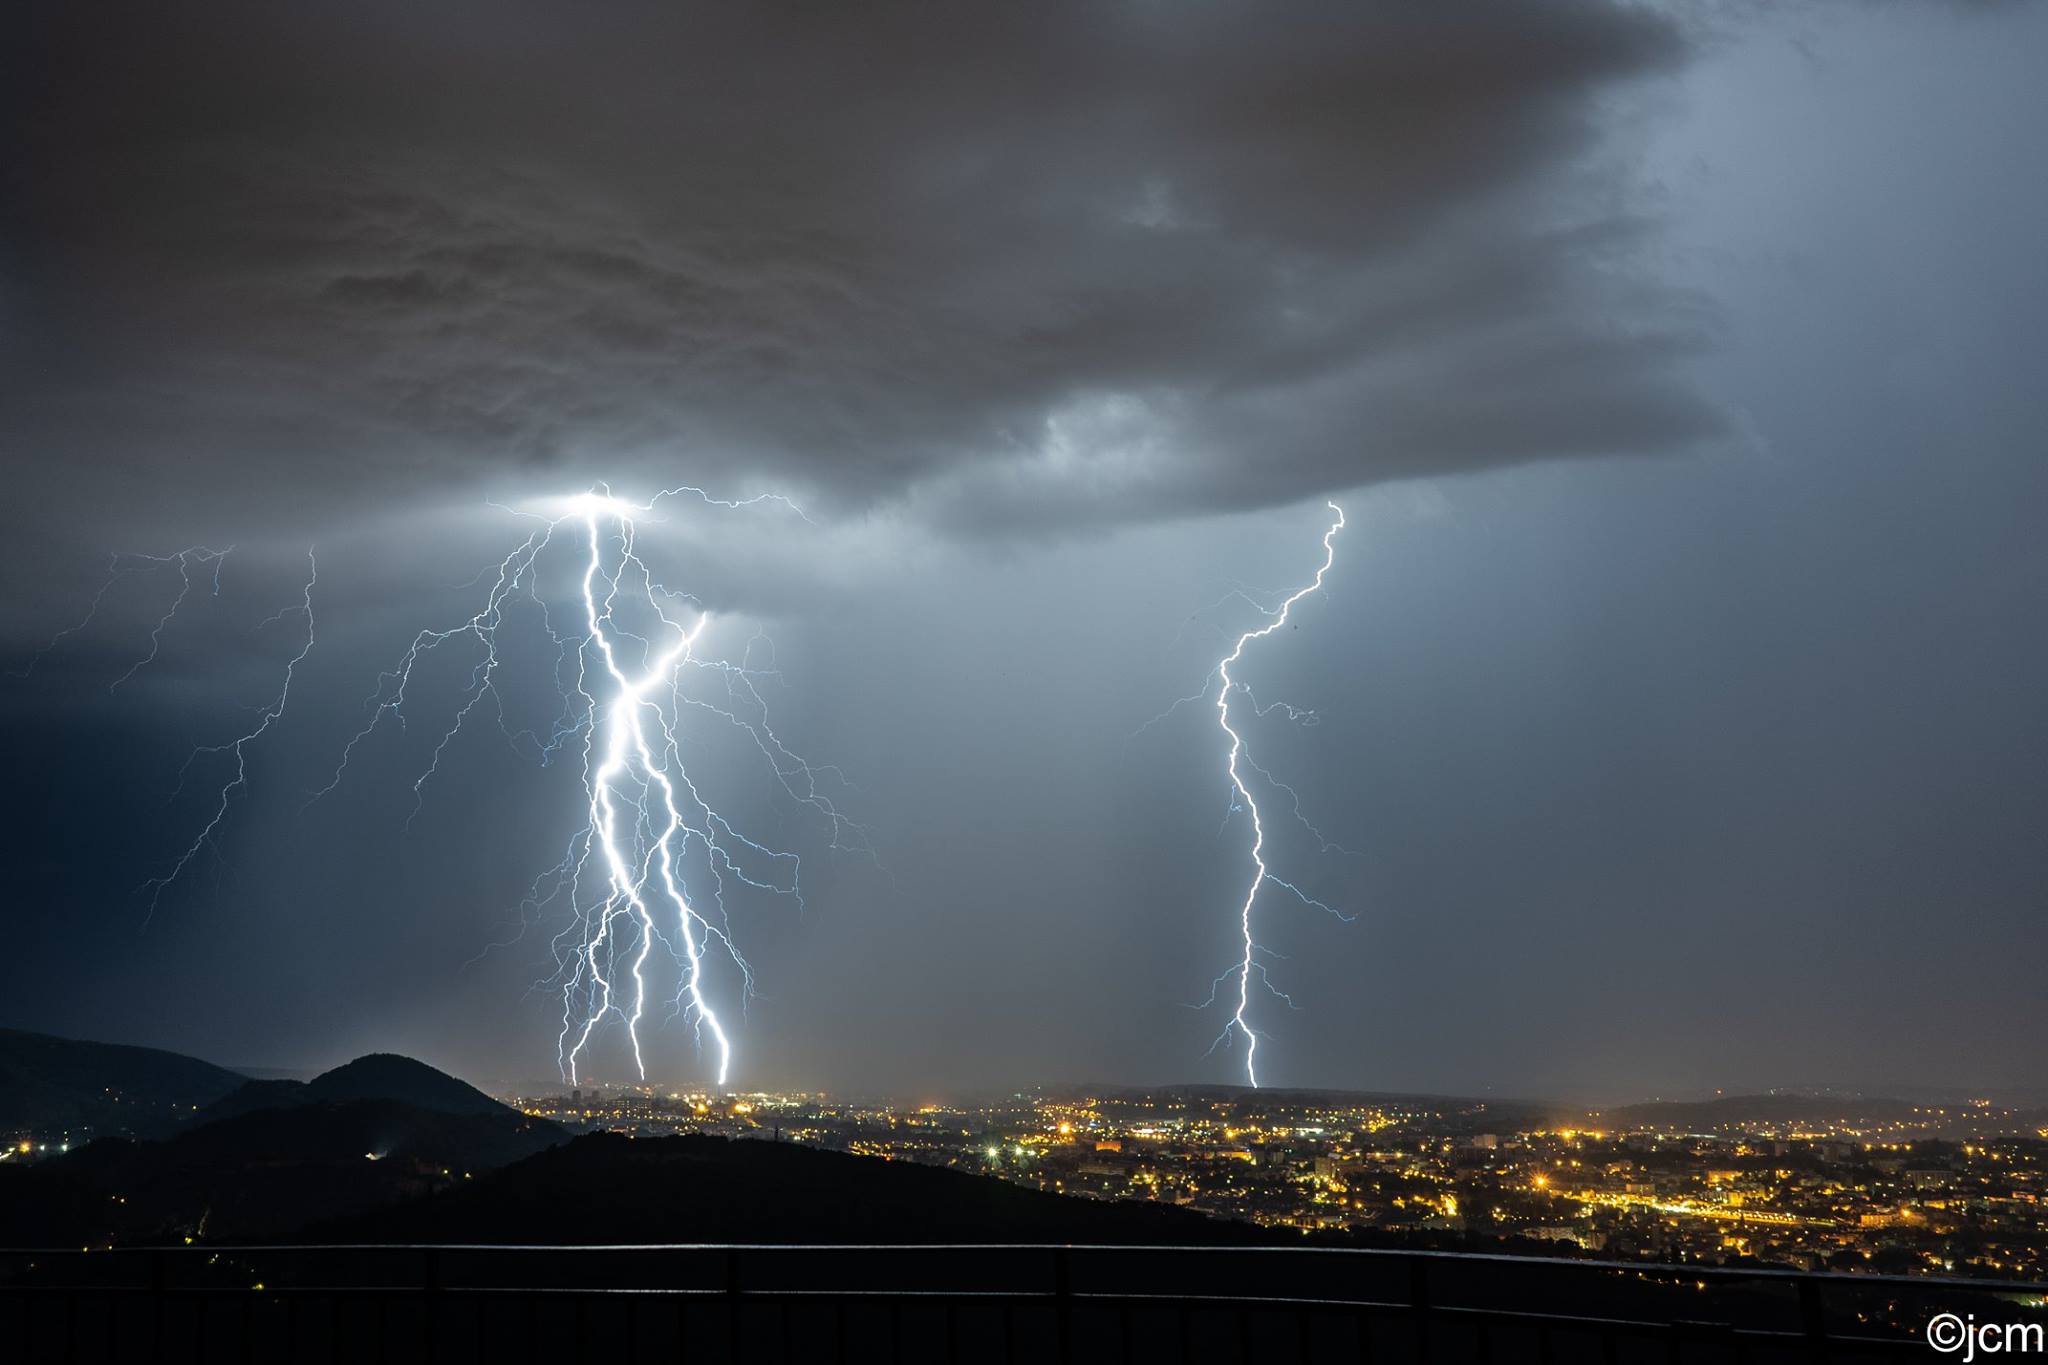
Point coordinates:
[[1062, 1305]]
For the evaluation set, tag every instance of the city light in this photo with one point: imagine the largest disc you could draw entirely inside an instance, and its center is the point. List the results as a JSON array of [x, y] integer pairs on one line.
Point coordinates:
[[1798, 1192]]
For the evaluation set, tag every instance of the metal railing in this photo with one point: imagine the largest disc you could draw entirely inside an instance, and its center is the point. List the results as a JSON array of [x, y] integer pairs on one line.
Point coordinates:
[[1062, 1304]]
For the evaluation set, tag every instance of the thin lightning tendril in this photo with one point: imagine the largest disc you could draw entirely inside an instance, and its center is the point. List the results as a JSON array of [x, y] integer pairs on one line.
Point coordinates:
[[239, 746], [186, 561], [1248, 962], [119, 566]]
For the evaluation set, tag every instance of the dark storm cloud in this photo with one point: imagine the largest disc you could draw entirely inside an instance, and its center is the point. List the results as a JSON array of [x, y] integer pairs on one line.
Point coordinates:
[[1042, 264], [1661, 773]]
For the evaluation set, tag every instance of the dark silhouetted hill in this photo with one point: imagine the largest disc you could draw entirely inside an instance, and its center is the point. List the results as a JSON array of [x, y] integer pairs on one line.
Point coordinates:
[[49, 1083], [610, 1188], [388, 1076], [253, 1096], [378, 1076], [259, 1176], [209, 1153]]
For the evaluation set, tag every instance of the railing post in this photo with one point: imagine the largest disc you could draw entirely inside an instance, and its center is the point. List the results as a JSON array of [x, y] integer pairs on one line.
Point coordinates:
[[159, 1287], [1814, 1319], [1063, 1301], [732, 1300], [430, 1297], [1418, 1303]]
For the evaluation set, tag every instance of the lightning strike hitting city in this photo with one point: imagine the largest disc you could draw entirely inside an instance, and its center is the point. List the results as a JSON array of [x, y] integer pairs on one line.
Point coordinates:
[[649, 834], [1227, 689], [624, 672]]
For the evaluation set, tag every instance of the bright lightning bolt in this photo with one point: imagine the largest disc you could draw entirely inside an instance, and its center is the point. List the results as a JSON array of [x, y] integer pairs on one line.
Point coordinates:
[[653, 860], [626, 744], [1248, 962], [648, 831]]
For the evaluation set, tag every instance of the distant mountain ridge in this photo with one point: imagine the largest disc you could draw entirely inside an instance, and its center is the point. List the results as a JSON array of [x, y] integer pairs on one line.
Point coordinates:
[[1476, 1112], [53, 1083], [1760, 1108], [47, 1082], [1772, 1108], [259, 1160]]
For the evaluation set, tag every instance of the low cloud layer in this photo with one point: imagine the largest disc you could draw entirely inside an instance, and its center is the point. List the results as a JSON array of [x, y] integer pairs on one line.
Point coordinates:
[[1049, 266]]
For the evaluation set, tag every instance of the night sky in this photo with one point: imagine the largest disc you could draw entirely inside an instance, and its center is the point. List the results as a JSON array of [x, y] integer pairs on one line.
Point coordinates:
[[1678, 683]]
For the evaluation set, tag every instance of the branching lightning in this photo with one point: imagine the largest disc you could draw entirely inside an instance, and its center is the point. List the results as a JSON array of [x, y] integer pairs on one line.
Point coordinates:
[[187, 561], [120, 566], [1251, 961], [239, 746], [653, 860]]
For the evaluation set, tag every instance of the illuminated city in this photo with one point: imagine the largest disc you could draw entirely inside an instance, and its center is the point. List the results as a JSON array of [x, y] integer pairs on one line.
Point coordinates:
[[1952, 1189]]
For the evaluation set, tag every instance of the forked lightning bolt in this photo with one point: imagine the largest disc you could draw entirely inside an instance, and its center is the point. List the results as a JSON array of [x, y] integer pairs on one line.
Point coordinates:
[[648, 830], [1237, 761], [653, 860]]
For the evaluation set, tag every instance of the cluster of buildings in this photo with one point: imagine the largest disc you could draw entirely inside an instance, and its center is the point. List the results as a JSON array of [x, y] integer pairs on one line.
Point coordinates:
[[1955, 1190]]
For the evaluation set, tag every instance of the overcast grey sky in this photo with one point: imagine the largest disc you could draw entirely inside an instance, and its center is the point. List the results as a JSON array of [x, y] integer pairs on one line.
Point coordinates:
[[1678, 368]]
